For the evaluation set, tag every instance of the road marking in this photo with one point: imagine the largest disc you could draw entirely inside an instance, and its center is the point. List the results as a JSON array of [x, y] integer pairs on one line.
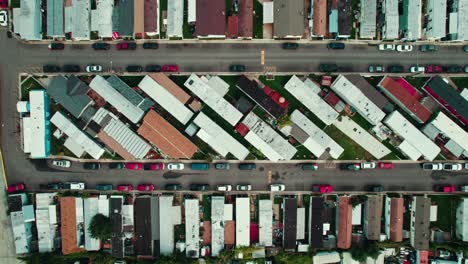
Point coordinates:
[[269, 177], [3, 170], [262, 57]]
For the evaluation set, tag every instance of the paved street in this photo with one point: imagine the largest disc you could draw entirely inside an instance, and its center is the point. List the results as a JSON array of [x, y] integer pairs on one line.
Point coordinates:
[[17, 57]]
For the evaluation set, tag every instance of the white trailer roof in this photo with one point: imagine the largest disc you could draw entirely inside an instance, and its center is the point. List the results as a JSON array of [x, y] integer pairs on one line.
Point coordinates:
[[192, 11], [217, 225], [368, 19], [414, 20], [310, 99], [403, 128], [362, 137], [451, 130], [165, 99], [39, 104], [391, 25], [27, 19], [319, 141], [175, 18], [300, 223], [265, 220], [77, 140], [91, 208], [437, 17], [409, 150], [242, 221], [192, 228], [27, 134], [213, 99], [267, 12], [166, 236], [81, 26], [218, 139]]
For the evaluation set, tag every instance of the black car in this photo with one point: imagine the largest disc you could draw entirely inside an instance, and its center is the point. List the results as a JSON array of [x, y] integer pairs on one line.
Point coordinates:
[[50, 68], [56, 46], [454, 69], [328, 67], [104, 187], [173, 187], [116, 165], [134, 68], [153, 68], [101, 46], [91, 166], [150, 45], [237, 68], [336, 45], [71, 68], [395, 69], [52, 186], [375, 188], [290, 45], [199, 187]]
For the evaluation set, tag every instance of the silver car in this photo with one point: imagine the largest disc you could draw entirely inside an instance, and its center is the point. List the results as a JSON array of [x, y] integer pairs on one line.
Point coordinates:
[[94, 68], [277, 187], [244, 187]]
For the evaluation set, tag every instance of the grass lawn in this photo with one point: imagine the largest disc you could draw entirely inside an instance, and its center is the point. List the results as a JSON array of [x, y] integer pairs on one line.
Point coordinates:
[[351, 149], [303, 153], [186, 27], [445, 212], [460, 82], [257, 20], [361, 121], [417, 82], [132, 81], [395, 155], [14, 3], [206, 203], [162, 8], [179, 80], [29, 84]]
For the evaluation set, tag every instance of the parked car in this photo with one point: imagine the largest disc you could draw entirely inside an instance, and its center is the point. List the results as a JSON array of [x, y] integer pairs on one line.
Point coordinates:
[[101, 46], [134, 68], [425, 48], [310, 166], [452, 166], [416, 69], [74, 185], [386, 165], [236, 68], [432, 166], [433, 69], [126, 46], [56, 46], [173, 187], [368, 165], [222, 166], [153, 68], [330, 67], [200, 166], [247, 166], [336, 45], [16, 187], [153, 166], [150, 45], [224, 188], [466, 69], [277, 187], [446, 188], [53, 186], [116, 165], [62, 163], [3, 3], [322, 188], [134, 166], [124, 187], [386, 47], [454, 69], [244, 187], [71, 68], [91, 165], [94, 68], [145, 187], [354, 167], [465, 48], [104, 187], [395, 68], [170, 68], [175, 166], [404, 48], [376, 68], [375, 188], [290, 45], [199, 187], [3, 18], [50, 68]]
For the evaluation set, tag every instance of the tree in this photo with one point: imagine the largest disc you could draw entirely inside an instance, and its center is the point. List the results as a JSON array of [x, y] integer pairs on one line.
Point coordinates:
[[284, 120], [357, 199], [100, 227], [360, 253]]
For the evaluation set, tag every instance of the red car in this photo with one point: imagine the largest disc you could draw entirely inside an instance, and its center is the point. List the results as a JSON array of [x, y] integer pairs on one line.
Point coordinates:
[[170, 68], [386, 165], [146, 187], [322, 188], [3, 3], [434, 69], [125, 187], [448, 188], [153, 166], [126, 46], [16, 187], [134, 166]]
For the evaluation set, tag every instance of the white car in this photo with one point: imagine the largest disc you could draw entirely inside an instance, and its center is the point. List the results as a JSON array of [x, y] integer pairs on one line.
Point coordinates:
[[452, 166], [432, 166], [94, 68], [416, 69], [368, 165], [277, 187], [386, 47], [74, 185], [244, 187], [175, 166], [224, 188], [404, 48], [3, 18], [62, 163]]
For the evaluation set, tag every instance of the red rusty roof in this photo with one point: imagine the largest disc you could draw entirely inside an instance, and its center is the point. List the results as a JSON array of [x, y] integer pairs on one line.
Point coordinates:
[[332, 99], [211, 18], [68, 225], [320, 17], [151, 15], [232, 27], [344, 222], [242, 129], [397, 209], [245, 25]]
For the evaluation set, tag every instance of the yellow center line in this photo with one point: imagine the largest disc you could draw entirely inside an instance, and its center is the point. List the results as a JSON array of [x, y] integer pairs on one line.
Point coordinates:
[[3, 170], [262, 57], [269, 177]]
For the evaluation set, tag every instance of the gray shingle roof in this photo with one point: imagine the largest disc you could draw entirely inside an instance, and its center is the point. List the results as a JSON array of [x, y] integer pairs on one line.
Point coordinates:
[[132, 96]]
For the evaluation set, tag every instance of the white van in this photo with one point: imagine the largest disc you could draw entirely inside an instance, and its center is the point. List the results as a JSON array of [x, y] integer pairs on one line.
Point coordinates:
[[74, 185]]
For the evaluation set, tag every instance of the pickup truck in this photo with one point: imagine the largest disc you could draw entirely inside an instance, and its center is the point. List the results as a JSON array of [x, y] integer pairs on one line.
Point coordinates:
[[432, 166]]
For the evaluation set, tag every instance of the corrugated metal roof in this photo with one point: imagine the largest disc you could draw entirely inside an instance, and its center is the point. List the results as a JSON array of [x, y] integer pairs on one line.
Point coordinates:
[[101, 18], [319, 18], [245, 25], [81, 26], [27, 19], [242, 221], [436, 10], [217, 225], [367, 20], [130, 94], [175, 18], [391, 23], [344, 223], [411, 19], [126, 12], [55, 16], [289, 223]]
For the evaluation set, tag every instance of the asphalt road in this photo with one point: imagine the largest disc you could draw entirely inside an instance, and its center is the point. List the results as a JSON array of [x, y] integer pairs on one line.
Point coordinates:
[[17, 57]]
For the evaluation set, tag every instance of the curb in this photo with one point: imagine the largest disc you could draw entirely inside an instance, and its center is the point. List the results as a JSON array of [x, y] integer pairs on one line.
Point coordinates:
[[3, 170]]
